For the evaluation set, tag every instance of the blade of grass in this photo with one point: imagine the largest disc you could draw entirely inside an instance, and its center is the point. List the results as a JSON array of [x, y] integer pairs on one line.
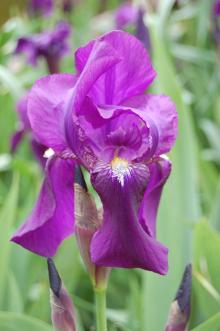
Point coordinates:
[[11, 82], [212, 324], [7, 217], [14, 299], [18, 322]]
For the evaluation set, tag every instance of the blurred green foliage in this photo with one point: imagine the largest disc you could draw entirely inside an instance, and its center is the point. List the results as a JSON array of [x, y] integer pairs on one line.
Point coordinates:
[[186, 59], [7, 8]]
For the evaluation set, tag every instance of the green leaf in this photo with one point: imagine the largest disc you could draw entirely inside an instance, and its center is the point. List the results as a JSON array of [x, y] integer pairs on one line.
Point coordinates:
[[19, 322], [7, 218], [209, 186], [203, 23], [180, 205], [206, 270], [193, 54], [215, 211], [207, 299], [206, 246], [13, 300], [11, 82], [212, 324]]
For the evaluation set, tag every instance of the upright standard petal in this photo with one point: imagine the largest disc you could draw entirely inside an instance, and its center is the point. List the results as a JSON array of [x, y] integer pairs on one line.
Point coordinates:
[[122, 241], [51, 220], [162, 111], [47, 107], [98, 133], [101, 59], [129, 77], [159, 172]]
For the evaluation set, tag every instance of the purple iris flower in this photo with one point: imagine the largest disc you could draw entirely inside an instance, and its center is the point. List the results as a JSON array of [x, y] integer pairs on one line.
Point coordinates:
[[216, 26], [125, 15], [43, 7], [216, 8], [52, 45], [102, 119], [24, 128]]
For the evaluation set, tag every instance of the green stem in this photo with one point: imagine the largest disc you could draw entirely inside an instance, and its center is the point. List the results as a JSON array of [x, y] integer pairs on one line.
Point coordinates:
[[100, 301]]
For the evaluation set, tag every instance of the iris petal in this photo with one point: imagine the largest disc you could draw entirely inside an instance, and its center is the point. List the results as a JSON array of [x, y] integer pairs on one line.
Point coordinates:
[[47, 44], [51, 220], [47, 106], [16, 139], [98, 133], [162, 111], [102, 58], [122, 241], [131, 76], [159, 172]]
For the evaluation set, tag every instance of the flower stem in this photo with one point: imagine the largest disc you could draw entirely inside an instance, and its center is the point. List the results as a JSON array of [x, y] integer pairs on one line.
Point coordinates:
[[52, 64], [100, 301]]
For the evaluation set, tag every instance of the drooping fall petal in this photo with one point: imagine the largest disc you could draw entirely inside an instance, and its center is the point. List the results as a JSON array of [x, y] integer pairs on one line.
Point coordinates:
[[122, 241], [51, 220], [159, 172]]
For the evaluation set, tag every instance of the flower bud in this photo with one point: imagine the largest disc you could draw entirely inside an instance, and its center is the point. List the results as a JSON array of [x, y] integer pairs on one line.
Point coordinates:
[[180, 307], [62, 311], [67, 5], [142, 32], [87, 221]]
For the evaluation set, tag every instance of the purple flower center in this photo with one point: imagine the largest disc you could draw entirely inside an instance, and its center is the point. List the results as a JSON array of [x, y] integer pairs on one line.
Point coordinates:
[[126, 136]]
